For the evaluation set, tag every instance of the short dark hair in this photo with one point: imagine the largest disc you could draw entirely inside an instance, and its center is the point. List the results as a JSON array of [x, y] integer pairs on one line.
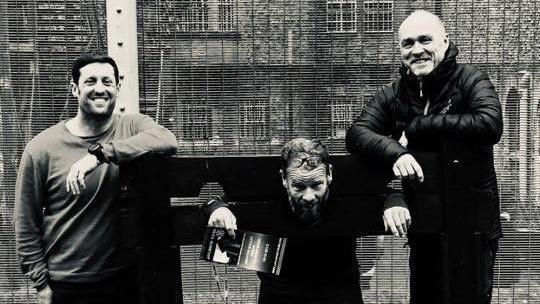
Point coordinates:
[[86, 59], [297, 146]]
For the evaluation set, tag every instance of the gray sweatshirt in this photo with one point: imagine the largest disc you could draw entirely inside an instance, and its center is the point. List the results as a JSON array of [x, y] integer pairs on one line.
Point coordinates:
[[69, 238]]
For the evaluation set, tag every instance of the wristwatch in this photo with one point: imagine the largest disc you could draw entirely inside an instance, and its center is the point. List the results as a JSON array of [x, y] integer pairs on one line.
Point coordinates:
[[97, 150]]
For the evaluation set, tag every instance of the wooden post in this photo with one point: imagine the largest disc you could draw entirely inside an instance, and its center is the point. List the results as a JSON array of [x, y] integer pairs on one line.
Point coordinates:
[[122, 47]]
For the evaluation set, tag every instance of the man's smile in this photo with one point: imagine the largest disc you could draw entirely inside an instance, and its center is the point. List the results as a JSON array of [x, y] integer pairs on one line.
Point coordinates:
[[420, 60]]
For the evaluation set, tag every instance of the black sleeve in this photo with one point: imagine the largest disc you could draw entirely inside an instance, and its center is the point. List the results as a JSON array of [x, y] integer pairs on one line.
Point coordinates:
[[394, 199], [212, 205], [371, 130], [483, 121]]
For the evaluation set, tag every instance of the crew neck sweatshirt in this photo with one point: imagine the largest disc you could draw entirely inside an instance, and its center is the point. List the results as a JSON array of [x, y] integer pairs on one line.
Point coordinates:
[[76, 238]]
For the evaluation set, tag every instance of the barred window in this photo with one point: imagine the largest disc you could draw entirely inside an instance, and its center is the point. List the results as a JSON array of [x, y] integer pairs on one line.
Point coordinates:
[[343, 112], [341, 16], [254, 120], [378, 15], [196, 123], [225, 15], [193, 15]]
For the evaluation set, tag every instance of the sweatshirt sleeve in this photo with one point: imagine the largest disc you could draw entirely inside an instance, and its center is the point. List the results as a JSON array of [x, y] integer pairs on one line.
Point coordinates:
[[147, 137], [28, 216]]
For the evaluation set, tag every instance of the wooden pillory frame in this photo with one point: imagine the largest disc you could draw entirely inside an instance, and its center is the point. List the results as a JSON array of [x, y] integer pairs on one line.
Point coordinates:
[[155, 229]]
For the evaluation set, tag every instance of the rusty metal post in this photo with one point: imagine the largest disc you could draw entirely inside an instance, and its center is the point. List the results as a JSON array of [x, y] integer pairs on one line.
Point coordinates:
[[122, 47]]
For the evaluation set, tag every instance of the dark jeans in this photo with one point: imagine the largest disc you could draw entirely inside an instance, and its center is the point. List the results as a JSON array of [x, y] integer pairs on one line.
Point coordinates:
[[456, 269], [333, 296], [121, 288]]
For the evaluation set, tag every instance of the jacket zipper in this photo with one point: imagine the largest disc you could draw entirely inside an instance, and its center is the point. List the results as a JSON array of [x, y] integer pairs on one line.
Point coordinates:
[[426, 108]]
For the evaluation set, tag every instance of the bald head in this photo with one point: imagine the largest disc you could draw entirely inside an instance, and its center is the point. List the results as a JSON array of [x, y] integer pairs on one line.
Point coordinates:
[[423, 42], [422, 18]]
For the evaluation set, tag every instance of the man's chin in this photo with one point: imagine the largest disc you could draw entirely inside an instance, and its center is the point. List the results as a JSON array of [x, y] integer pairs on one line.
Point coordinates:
[[101, 113], [422, 70], [310, 218]]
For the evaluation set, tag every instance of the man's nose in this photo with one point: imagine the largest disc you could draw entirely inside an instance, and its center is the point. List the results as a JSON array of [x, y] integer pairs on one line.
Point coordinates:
[[99, 87], [417, 49], [309, 195]]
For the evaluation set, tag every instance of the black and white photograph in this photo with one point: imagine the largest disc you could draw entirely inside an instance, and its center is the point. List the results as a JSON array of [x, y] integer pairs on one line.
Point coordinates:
[[264, 151]]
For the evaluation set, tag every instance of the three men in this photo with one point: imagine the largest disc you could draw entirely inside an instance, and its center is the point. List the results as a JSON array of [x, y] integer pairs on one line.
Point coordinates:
[[319, 270], [67, 223], [66, 219], [438, 105]]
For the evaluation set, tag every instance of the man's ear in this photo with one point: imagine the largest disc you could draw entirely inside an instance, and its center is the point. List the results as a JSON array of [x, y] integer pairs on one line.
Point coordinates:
[[74, 89], [329, 174], [283, 178]]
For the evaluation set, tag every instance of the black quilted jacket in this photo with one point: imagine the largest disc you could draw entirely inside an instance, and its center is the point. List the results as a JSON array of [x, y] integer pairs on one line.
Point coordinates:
[[454, 112]]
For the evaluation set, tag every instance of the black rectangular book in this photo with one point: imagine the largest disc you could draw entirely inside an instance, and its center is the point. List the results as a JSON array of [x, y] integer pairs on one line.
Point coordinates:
[[250, 250]]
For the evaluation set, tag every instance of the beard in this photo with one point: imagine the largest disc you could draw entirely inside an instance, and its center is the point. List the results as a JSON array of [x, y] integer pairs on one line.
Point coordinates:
[[98, 113], [309, 215]]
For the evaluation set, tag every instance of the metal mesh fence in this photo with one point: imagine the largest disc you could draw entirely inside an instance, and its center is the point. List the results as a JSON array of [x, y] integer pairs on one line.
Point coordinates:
[[240, 77], [38, 42]]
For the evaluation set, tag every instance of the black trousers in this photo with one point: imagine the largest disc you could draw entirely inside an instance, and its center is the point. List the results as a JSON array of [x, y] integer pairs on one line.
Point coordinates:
[[122, 288], [452, 269], [330, 296]]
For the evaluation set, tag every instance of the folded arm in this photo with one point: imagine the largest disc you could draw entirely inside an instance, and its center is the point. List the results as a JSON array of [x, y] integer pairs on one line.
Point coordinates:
[[483, 121], [148, 137], [371, 130]]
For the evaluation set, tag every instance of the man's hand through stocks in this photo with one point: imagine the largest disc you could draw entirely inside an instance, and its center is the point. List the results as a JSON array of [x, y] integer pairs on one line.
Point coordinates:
[[223, 217], [397, 220]]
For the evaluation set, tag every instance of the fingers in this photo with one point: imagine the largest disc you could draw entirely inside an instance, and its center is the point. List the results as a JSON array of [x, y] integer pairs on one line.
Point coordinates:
[[397, 173], [72, 185], [80, 179], [418, 170], [408, 218], [390, 222], [397, 223], [403, 222], [398, 220], [223, 218], [407, 168], [230, 225], [75, 178]]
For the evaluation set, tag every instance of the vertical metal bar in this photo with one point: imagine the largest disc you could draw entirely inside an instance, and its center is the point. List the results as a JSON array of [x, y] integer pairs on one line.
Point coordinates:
[[207, 110], [535, 125], [238, 69], [122, 47], [269, 70], [316, 70], [254, 100], [471, 56]]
